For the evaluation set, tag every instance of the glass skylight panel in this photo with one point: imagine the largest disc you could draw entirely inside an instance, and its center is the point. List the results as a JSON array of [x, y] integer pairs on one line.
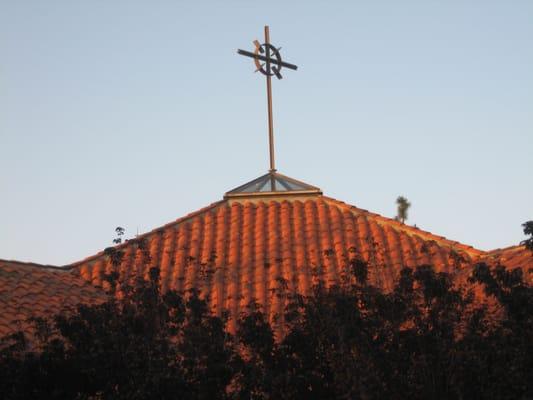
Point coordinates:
[[272, 183]]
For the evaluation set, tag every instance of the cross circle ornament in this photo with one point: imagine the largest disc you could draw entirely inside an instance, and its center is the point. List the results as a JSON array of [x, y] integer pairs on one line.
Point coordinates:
[[272, 56], [267, 59]]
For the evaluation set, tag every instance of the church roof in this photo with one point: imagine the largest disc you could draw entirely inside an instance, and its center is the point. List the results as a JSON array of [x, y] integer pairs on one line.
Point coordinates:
[[246, 248]]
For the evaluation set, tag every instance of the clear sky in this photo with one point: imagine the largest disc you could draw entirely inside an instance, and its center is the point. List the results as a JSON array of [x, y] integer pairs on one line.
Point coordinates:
[[136, 113]]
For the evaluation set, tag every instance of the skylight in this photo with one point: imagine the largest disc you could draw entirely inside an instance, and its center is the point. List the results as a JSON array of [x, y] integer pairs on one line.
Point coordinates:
[[273, 183]]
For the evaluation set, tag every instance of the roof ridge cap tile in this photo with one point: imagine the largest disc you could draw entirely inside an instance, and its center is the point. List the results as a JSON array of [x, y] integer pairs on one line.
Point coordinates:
[[178, 221], [17, 263], [514, 247], [409, 228]]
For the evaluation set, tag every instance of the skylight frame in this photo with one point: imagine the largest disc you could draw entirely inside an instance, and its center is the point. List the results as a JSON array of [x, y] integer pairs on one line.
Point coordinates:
[[290, 186]]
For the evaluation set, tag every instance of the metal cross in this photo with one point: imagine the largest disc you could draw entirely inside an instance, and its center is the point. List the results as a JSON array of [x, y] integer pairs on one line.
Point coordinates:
[[268, 61]]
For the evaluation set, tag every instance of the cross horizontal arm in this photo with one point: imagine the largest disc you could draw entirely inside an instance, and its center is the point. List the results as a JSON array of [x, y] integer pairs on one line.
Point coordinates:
[[263, 58]]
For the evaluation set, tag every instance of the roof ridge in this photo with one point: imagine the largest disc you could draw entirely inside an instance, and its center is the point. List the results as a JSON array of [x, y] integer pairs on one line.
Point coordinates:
[[409, 228], [508, 248], [14, 263], [151, 232]]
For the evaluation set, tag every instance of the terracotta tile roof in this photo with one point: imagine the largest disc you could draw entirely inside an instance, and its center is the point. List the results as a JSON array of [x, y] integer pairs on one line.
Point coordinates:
[[250, 249], [243, 249], [30, 290], [511, 257]]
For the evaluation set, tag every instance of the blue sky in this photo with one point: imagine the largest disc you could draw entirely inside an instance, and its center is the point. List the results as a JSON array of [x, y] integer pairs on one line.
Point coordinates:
[[136, 113]]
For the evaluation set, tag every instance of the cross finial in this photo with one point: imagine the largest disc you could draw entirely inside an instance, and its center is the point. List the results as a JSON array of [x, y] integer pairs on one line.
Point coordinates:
[[268, 61]]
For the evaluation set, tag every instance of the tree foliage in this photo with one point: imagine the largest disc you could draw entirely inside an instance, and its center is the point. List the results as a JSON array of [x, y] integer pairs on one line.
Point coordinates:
[[145, 345], [403, 208], [528, 230], [424, 339]]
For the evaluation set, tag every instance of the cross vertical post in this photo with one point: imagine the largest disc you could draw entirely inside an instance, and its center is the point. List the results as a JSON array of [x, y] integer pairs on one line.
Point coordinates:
[[270, 117], [269, 99]]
